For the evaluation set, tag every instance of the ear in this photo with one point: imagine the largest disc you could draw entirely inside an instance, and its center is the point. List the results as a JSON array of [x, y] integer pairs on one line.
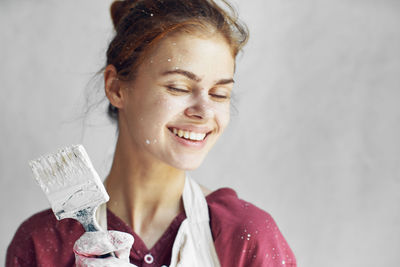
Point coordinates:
[[112, 86]]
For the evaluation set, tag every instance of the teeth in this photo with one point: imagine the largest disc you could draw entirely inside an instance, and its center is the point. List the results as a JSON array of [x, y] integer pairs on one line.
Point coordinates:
[[189, 135]]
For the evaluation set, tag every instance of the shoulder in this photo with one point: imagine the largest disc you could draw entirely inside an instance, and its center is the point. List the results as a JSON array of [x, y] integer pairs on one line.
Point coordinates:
[[244, 233], [41, 238], [230, 212]]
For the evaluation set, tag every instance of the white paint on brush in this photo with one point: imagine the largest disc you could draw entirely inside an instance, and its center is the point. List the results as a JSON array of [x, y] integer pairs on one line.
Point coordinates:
[[70, 182]]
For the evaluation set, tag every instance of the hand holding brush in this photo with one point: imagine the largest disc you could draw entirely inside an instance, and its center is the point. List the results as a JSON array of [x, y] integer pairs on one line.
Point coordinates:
[[74, 190]]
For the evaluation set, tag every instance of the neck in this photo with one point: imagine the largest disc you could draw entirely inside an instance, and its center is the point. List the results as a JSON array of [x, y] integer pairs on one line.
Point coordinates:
[[143, 190]]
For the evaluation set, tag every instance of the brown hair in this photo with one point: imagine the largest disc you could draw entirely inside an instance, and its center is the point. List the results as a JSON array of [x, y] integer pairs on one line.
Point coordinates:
[[140, 24]]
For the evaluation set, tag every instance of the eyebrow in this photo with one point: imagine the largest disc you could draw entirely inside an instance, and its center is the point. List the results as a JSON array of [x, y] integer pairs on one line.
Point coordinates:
[[194, 77]]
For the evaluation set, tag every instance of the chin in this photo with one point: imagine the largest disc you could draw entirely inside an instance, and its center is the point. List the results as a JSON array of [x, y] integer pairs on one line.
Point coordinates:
[[187, 165], [190, 168]]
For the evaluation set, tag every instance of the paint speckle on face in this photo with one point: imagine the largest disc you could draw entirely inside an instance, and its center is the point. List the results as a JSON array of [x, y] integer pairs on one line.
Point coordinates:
[[195, 55]]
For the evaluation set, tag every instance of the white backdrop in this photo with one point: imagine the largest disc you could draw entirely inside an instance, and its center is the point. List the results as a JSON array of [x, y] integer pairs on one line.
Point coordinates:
[[314, 140]]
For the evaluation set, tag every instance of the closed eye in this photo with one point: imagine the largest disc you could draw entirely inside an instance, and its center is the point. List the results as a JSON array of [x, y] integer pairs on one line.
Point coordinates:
[[219, 96], [179, 90]]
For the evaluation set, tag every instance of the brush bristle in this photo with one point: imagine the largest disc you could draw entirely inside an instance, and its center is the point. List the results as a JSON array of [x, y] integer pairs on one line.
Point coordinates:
[[69, 180], [69, 166]]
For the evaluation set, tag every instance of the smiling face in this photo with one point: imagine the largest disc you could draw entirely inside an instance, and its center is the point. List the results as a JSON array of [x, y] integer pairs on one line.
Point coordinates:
[[179, 103]]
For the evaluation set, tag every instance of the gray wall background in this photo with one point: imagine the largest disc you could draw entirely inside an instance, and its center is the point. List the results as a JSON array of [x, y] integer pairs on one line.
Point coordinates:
[[314, 140]]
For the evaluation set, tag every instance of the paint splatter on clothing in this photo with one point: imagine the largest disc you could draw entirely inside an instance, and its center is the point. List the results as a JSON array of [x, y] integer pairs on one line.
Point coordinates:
[[244, 236]]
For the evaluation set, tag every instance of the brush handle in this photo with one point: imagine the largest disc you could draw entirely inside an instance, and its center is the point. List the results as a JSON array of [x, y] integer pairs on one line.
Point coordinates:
[[87, 218]]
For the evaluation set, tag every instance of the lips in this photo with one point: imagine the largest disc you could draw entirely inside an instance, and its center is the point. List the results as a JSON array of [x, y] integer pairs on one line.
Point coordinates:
[[190, 135]]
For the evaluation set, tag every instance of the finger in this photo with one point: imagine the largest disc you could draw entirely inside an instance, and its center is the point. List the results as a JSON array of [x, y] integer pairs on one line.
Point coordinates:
[[93, 243], [108, 262], [122, 244], [100, 243]]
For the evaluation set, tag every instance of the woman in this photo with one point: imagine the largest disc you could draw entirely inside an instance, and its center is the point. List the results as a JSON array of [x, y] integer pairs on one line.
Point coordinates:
[[168, 78]]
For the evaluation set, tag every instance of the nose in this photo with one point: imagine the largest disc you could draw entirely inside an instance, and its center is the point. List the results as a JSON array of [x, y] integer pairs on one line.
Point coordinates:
[[200, 109]]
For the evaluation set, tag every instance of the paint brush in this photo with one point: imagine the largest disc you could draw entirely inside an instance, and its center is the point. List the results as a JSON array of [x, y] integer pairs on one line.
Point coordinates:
[[72, 185]]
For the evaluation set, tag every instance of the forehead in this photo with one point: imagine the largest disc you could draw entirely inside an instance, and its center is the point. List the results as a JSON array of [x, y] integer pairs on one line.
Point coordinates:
[[205, 56]]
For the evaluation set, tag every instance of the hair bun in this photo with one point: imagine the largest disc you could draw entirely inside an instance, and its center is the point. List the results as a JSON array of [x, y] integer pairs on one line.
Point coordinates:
[[118, 9]]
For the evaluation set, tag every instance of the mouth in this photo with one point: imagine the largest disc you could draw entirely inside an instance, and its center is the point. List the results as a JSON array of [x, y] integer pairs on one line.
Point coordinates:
[[189, 135]]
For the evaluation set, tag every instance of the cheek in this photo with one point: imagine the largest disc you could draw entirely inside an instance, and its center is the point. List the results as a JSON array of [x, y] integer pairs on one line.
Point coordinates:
[[166, 109], [226, 119], [223, 116], [169, 106], [164, 106]]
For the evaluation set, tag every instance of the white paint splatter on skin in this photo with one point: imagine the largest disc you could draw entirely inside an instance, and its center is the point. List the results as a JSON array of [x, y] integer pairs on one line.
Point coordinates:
[[177, 106]]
